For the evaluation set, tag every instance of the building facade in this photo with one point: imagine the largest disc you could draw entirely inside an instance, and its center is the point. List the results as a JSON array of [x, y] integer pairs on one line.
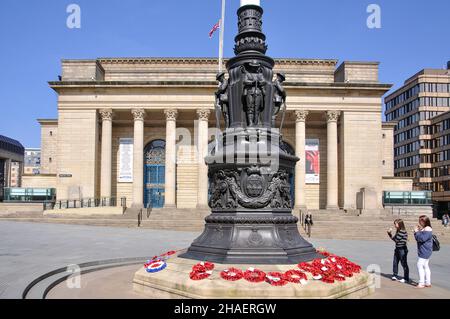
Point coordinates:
[[32, 162], [421, 107], [138, 128], [423, 97], [11, 163]]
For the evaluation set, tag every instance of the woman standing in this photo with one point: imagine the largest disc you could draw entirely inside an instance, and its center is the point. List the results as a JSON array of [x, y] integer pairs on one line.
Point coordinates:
[[401, 250], [424, 237]]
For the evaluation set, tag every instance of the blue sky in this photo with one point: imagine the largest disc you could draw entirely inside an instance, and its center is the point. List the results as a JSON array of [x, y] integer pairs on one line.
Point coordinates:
[[34, 38]]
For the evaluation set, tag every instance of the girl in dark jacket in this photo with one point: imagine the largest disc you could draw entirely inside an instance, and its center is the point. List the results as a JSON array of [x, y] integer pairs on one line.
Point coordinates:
[[401, 250], [424, 237]]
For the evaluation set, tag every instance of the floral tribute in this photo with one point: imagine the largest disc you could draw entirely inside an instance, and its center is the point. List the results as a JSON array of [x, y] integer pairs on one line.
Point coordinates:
[[254, 275], [276, 279], [201, 271], [295, 277], [232, 274], [330, 269], [158, 263], [155, 266]]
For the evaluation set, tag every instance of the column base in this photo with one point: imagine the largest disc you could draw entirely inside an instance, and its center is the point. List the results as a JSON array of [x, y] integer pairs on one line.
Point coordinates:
[[332, 207], [170, 206]]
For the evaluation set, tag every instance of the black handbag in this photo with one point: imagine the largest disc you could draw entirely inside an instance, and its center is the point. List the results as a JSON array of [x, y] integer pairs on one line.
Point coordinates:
[[436, 244]]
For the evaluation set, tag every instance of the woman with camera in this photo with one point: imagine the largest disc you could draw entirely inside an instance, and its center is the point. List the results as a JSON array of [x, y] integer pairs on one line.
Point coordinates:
[[424, 237], [401, 250]]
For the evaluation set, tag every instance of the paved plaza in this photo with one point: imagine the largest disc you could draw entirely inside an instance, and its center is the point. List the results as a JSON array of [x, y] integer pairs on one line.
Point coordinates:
[[29, 250]]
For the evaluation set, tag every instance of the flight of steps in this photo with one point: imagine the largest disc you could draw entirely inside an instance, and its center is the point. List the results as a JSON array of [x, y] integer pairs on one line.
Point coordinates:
[[338, 225], [327, 225]]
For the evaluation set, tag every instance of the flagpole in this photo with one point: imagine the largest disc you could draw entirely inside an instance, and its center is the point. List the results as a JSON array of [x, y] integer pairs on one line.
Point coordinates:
[[222, 32]]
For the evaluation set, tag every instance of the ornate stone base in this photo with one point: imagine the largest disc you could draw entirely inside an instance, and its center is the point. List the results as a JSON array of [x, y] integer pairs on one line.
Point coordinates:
[[174, 282], [258, 238]]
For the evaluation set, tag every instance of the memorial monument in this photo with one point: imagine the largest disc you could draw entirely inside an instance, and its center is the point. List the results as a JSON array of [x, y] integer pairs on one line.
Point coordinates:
[[251, 224], [249, 169]]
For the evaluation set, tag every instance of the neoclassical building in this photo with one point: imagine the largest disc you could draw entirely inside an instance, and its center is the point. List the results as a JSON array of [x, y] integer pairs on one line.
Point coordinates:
[[138, 128]]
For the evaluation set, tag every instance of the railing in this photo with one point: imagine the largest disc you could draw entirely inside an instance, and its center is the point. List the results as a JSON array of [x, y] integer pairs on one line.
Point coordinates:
[[86, 203], [140, 216]]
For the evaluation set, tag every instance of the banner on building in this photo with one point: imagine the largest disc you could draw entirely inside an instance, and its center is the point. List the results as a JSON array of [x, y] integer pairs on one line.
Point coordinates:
[[312, 157], [125, 160]]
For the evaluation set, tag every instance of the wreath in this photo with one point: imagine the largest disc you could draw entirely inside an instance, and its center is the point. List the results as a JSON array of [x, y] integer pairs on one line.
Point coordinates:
[[295, 276], [199, 275], [232, 274], [202, 271], [155, 266], [203, 267], [330, 269], [276, 279], [254, 275]]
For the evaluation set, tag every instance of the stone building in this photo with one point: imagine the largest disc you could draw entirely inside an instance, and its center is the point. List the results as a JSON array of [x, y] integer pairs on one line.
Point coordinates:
[[134, 127]]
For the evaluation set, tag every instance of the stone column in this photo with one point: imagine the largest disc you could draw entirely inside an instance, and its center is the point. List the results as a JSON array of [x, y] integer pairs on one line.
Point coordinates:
[[202, 148], [332, 162], [138, 158], [171, 157], [106, 157], [300, 168]]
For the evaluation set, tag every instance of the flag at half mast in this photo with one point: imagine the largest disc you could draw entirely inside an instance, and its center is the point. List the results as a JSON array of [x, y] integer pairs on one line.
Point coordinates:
[[214, 29]]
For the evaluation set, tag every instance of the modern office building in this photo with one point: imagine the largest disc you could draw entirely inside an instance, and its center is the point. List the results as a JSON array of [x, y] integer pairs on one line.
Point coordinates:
[[11, 155], [419, 137], [138, 128], [32, 163]]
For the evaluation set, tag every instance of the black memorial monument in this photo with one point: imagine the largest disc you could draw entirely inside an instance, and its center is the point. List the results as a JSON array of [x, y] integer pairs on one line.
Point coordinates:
[[250, 169]]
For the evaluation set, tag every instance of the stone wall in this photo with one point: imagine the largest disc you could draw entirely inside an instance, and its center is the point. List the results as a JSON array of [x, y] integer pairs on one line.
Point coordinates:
[[361, 157], [357, 72], [49, 144], [397, 184], [78, 140], [39, 181]]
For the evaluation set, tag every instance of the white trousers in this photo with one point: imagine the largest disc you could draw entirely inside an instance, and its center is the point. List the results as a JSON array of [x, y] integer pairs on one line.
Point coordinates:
[[424, 271]]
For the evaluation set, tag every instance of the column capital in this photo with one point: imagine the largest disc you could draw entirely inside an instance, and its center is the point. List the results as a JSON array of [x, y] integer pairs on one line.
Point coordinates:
[[333, 116], [106, 114], [203, 114], [138, 114], [171, 114], [301, 115]]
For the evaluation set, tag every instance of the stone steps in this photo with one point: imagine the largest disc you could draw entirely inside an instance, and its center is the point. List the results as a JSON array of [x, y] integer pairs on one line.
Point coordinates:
[[333, 226]]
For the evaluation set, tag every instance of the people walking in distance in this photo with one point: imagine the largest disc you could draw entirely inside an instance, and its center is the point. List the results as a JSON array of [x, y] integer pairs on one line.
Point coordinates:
[[308, 224], [401, 250], [445, 220], [424, 237]]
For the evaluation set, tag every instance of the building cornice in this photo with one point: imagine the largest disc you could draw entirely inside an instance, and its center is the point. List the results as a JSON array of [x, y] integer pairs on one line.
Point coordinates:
[[211, 84], [390, 125], [211, 61], [47, 121]]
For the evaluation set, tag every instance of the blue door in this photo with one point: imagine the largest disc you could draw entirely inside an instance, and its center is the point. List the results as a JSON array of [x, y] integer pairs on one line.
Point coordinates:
[[154, 174]]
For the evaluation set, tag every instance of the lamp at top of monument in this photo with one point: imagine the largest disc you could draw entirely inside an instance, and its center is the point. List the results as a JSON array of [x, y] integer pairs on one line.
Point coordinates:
[[250, 2]]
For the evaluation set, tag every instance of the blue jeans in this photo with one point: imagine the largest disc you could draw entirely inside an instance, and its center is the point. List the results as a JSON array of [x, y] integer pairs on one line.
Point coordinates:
[[401, 256]]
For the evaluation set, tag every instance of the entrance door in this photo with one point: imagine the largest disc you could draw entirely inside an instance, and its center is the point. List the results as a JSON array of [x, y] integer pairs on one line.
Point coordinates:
[[154, 174]]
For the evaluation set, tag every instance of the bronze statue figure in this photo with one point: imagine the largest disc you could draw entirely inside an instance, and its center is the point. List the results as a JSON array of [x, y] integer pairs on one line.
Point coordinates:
[[222, 100], [254, 93], [279, 96]]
